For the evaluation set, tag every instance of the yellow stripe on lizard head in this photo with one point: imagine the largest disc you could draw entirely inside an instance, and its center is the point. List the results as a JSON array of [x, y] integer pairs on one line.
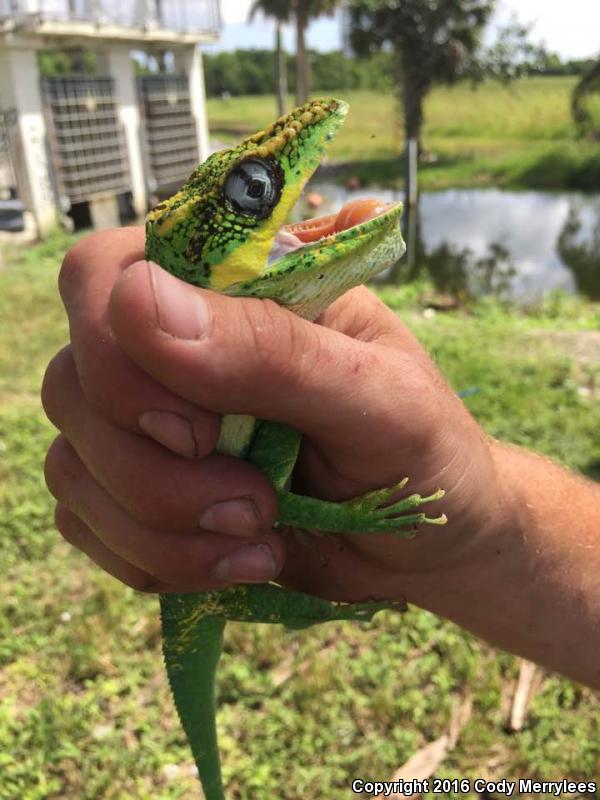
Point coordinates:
[[219, 228], [248, 260]]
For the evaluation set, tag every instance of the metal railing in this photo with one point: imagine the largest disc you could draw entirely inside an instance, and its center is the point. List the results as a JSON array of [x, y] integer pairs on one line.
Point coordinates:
[[183, 16]]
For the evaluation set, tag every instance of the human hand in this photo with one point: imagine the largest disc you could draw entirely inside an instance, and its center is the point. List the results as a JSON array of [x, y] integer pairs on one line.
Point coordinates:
[[153, 357]]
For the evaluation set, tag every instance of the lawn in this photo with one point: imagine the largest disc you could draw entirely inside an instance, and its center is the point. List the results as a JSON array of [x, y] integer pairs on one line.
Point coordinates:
[[519, 135], [84, 710]]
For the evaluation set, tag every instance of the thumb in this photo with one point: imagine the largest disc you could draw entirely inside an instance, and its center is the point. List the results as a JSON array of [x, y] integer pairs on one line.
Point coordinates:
[[243, 355]]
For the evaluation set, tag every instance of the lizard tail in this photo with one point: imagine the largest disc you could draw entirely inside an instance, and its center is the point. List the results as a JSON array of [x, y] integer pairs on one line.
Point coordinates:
[[192, 646]]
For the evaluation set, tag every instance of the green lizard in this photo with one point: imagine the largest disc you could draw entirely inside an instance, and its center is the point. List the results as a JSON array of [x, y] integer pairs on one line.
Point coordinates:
[[222, 231]]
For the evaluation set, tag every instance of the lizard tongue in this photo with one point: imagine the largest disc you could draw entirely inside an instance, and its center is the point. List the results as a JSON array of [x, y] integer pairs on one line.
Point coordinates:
[[291, 237], [353, 213], [285, 242]]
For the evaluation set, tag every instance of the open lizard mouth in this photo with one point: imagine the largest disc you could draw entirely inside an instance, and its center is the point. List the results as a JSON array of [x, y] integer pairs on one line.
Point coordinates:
[[312, 231]]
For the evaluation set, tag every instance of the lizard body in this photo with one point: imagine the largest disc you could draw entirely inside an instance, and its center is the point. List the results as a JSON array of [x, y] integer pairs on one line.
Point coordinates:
[[219, 232]]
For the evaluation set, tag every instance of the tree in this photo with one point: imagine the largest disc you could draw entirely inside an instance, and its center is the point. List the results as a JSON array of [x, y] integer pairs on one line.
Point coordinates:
[[510, 56], [280, 10], [432, 42], [304, 11], [587, 86]]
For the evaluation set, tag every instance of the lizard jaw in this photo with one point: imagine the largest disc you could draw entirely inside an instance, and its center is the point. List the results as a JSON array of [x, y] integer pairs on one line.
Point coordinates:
[[308, 279]]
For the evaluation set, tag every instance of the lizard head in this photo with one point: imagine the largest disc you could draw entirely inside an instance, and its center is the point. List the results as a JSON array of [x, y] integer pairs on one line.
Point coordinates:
[[226, 229]]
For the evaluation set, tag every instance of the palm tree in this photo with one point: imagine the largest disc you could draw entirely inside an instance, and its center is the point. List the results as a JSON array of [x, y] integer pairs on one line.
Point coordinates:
[[280, 10], [304, 11]]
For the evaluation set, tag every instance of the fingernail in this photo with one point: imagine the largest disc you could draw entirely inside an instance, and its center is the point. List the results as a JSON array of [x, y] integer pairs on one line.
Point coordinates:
[[181, 311], [250, 564], [239, 517], [170, 430]]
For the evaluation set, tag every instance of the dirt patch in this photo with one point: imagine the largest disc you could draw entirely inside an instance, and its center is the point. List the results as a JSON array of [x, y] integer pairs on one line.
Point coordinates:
[[582, 346]]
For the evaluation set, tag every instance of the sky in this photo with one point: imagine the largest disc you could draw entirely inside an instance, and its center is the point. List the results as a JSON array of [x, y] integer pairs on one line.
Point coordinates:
[[571, 29]]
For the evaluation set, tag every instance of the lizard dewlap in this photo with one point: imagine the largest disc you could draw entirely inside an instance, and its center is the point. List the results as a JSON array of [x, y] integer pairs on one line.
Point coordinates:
[[226, 229]]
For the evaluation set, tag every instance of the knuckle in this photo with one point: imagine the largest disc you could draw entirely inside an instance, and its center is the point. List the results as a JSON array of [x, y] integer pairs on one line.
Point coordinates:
[[70, 269], [53, 386], [75, 532], [73, 267], [167, 570], [122, 245], [142, 582], [61, 468], [67, 524], [179, 564], [95, 375], [111, 384], [158, 574]]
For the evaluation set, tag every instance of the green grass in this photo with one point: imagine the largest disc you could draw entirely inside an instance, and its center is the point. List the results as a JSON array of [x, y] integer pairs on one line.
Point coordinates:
[[520, 135], [84, 708]]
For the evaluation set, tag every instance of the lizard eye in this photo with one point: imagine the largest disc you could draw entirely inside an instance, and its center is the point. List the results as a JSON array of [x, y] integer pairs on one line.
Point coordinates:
[[254, 187]]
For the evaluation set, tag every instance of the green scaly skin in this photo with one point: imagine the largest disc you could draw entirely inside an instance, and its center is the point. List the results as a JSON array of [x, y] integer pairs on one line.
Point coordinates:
[[217, 233]]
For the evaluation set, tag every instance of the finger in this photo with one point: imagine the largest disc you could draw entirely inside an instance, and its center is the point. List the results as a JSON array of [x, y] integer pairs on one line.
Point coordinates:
[[320, 565], [158, 488], [78, 534], [191, 562], [110, 380], [251, 356], [361, 315]]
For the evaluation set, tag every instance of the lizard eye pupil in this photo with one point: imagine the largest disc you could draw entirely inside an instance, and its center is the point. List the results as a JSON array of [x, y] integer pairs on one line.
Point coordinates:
[[256, 189], [253, 187]]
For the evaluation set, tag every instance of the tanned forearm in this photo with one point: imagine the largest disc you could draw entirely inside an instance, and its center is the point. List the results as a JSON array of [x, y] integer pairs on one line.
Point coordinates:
[[531, 584]]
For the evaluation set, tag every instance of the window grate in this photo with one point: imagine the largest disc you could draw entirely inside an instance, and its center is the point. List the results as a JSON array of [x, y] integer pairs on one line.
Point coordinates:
[[169, 128], [86, 136], [8, 175]]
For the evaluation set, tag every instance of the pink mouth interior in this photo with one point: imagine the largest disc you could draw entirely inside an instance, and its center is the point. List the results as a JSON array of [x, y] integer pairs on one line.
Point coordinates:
[[291, 237]]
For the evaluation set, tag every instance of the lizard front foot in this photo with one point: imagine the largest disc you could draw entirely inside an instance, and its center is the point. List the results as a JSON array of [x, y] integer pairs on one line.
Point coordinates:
[[367, 513]]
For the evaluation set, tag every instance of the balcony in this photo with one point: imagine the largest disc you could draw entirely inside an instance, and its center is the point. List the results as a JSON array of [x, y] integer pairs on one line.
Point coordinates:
[[134, 20]]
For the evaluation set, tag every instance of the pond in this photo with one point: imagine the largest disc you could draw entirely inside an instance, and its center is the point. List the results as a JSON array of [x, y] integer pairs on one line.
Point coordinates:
[[518, 244]]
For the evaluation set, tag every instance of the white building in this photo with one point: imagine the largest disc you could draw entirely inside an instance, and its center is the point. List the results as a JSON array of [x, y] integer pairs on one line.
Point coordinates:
[[111, 138]]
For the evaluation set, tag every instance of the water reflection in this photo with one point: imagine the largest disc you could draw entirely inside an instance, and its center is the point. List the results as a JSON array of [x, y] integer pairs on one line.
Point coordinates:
[[462, 273], [579, 248], [515, 244]]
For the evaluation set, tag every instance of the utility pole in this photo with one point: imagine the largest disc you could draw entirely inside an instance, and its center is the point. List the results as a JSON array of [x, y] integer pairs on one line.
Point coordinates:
[[412, 198]]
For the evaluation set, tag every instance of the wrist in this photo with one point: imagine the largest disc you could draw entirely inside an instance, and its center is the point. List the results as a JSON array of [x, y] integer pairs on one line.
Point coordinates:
[[485, 511], [482, 540]]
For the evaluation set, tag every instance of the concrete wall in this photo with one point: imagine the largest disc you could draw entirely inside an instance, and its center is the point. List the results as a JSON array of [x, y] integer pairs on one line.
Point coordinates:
[[20, 89], [117, 63]]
